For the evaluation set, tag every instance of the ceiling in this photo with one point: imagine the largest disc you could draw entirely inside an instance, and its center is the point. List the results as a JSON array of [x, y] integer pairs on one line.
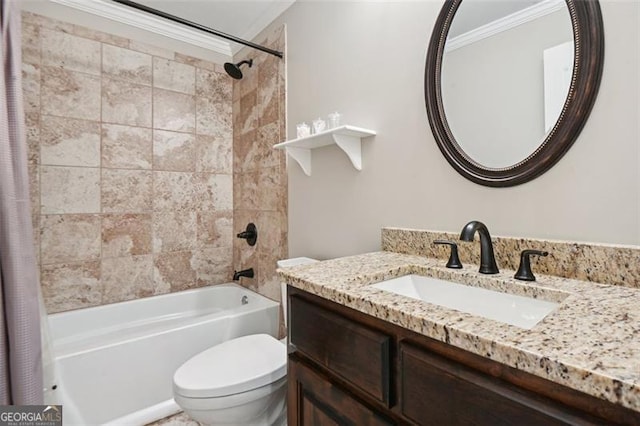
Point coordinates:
[[241, 18]]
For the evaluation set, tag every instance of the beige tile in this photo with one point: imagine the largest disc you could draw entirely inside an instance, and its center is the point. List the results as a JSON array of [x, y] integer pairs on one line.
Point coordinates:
[[69, 238], [174, 271], [126, 191], [70, 94], [246, 152], [215, 229], [272, 229], [31, 88], [216, 86], [272, 182], [246, 191], [214, 154], [174, 231], [70, 190], [174, 76], [68, 286], [216, 192], [151, 50], [268, 136], [213, 265], [92, 34], [126, 235], [174, 151], [175, 191], [46, 22], [70, 52], [236, 93], [213, 118], [126, 64], [32, 122], [31, 44], [126, 147], [199, 63], [126, 103], [268, 91], [248, 113], [268, 281], [249, 82], [173, 111], [70, 142], [34, 188], [35, 223], [126, 278]]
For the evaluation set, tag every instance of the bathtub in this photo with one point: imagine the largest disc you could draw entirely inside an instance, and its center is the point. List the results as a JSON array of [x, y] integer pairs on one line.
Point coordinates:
[[115, 363]]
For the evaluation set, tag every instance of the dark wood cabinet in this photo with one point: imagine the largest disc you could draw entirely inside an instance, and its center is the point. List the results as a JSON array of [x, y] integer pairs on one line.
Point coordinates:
[[348, 368], [315, 400]]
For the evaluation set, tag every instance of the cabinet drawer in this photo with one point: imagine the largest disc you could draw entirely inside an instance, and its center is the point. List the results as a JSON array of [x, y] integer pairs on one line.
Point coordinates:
[[437, 391], [357, 354]]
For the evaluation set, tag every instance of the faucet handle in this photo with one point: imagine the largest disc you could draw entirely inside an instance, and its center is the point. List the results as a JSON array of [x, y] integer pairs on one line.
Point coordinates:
[[524, 270], [454, 260]]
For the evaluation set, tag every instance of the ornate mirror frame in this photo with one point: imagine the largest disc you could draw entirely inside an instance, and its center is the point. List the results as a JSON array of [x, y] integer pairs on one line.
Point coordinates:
[[588, 34]]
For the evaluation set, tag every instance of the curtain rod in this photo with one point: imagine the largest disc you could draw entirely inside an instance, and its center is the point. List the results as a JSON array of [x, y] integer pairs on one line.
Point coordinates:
[[197, 26]]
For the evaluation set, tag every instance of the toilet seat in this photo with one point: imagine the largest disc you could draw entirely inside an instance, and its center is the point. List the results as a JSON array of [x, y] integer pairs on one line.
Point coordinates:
[[235, 366]]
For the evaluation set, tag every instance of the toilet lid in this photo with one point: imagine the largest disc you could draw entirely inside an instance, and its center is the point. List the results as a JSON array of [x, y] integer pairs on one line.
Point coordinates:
[[235, 366]]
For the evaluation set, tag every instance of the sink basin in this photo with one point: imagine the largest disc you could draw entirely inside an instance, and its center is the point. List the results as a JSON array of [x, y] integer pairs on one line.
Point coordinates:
[[520, 311]]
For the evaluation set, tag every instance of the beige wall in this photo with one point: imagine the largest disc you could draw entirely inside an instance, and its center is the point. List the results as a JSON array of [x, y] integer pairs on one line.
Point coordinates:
[[260, 178], [131, 166], [366, 60]]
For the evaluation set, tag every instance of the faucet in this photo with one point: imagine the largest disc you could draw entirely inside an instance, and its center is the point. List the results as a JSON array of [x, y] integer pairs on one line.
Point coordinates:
[[244, 273], [487, 259]]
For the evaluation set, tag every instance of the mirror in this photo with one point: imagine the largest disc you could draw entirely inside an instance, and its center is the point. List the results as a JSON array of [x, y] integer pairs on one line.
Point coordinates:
[[509, 84]]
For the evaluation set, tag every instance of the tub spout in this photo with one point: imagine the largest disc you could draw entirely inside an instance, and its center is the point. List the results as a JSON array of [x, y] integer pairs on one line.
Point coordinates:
[[244, 273]]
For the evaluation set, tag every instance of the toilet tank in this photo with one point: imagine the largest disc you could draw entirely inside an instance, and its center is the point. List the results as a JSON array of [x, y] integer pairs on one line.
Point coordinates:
[[286, 263]]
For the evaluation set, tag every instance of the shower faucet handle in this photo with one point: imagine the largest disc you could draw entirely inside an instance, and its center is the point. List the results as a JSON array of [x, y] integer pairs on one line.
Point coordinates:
[[454, 260], [250, 234]]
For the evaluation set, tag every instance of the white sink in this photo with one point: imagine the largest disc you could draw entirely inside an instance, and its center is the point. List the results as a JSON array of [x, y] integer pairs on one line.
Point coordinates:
[[520, 311]]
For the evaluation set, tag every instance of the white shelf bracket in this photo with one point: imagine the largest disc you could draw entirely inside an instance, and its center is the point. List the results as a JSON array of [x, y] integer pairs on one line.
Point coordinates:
[[302, 157], [352, 146], [348, 139]]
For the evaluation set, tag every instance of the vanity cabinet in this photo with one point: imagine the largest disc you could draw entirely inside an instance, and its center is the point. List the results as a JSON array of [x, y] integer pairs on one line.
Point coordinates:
[[346, 367]]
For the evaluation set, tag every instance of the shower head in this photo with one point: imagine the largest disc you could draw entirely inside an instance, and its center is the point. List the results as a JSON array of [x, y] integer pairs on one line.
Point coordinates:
[[234, 69]]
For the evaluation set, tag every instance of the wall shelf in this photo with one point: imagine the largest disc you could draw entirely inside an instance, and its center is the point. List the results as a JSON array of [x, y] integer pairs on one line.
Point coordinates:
[[348, 138]]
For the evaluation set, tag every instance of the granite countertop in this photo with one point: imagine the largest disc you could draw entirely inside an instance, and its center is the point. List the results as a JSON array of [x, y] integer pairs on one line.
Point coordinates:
[[590, 343]]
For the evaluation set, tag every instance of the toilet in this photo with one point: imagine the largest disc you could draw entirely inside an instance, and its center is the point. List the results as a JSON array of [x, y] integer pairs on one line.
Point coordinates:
[[238, 382]]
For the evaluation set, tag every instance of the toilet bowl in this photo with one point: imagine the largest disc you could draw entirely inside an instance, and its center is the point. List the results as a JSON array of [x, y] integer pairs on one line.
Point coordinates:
[[239, 382]]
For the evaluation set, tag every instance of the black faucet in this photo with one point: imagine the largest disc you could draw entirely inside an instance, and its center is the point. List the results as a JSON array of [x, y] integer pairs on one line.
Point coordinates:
[[487, 259], [244, 273]]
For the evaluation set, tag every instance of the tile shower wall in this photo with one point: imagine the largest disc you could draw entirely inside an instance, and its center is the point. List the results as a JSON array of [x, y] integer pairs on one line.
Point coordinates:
[[260, 175], [130, 159]]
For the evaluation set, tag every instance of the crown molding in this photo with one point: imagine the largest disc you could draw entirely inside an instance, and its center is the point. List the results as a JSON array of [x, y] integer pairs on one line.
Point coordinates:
[[506, 23], [147, 22]]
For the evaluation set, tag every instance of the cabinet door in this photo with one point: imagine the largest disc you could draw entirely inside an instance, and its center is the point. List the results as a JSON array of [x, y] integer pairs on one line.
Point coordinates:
[[439, 391], [352, 351], [314, 401]]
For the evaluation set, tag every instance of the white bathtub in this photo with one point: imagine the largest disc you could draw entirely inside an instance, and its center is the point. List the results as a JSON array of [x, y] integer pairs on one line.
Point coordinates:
[[115, 363]]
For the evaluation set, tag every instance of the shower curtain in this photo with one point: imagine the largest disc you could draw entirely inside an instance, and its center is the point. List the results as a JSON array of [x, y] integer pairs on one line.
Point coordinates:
[[20, 347]]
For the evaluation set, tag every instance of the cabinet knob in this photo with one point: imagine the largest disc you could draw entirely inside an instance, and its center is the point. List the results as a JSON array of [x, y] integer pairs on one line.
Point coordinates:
[[524, 270], [454, 260]]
